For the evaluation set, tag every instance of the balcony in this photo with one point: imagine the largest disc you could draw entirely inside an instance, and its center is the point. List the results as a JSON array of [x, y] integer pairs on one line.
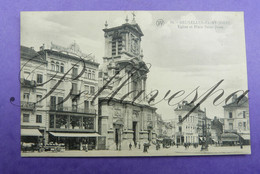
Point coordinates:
[[72, 109], [28, 83], [27, 105]]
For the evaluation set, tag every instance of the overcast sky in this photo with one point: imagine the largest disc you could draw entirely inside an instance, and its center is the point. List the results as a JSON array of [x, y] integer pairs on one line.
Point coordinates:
[[181, 58]]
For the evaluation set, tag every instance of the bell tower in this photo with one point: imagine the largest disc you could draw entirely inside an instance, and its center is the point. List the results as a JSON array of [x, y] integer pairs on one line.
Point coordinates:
[[123, 42]]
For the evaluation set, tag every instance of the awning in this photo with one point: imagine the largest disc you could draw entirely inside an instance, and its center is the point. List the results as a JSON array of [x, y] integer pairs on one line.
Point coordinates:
[[58, 134], [229, 137], [246, 137], [30, 132]]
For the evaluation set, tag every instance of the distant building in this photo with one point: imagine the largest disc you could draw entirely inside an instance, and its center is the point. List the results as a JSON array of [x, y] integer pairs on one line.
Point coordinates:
[[126, 117], [236, 122], [187, 131], [216, 130]]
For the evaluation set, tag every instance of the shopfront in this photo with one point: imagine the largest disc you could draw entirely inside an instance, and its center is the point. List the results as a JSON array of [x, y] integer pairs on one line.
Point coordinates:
[[75, 141]]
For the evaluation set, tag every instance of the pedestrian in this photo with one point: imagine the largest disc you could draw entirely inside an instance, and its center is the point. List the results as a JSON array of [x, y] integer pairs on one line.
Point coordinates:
[[130, 146], [139, 146], [135, 144], [145, 148]]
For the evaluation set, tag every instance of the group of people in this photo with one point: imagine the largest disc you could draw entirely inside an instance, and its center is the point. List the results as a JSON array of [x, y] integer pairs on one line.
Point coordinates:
[[145, 146]]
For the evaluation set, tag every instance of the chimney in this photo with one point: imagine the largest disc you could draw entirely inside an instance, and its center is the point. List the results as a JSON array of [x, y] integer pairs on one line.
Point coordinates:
[[234, 98]]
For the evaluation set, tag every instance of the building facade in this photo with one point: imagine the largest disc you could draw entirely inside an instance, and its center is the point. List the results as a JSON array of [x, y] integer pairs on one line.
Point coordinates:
[[124, 114], [66, 81], [236, 122], [33, 114], [187, 131]]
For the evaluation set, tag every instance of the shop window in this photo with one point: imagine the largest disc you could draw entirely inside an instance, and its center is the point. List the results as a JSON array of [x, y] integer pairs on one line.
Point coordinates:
[[38, 119], [61, 121], [39, 78], [26, 118], [88, 123], [75, 122]]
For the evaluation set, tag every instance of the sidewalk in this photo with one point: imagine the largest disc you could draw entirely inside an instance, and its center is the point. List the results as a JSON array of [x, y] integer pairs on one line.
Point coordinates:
[[172, 151]]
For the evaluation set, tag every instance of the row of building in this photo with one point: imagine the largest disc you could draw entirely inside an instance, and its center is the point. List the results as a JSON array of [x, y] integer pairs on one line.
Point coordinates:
[[231, 129]]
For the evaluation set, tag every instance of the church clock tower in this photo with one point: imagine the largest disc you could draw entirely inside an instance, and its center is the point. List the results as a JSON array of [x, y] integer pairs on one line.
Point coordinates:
[[123, 42]]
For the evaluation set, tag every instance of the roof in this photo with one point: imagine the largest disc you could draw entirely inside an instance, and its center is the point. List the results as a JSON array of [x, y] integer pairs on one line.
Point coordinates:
[[185, 106], [30, 53], [237, 102], [134, 27]]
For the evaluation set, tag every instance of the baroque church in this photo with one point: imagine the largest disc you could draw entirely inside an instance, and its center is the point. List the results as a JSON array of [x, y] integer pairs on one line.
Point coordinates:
[[124, 113]]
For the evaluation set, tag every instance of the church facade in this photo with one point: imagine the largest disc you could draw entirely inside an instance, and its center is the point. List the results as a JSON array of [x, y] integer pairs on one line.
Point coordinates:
[[124, 114]]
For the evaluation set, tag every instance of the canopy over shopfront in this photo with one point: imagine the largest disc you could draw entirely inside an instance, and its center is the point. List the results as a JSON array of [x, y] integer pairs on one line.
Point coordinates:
[[31, 132], [58, 134], [229, 137], [245, 137]]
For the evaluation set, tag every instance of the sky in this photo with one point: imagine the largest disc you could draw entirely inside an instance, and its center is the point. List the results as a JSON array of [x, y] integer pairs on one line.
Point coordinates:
[[186, 51]]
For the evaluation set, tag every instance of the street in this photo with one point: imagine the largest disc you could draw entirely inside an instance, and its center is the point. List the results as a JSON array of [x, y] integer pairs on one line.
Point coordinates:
[[172, 151]]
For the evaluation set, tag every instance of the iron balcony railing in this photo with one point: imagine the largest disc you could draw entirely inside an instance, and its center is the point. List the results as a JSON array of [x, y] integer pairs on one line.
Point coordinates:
[[28, 83], [72, 109], [27, 105]]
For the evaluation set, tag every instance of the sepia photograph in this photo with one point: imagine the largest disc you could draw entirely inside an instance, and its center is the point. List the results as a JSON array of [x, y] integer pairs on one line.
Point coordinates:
[[133, 83]]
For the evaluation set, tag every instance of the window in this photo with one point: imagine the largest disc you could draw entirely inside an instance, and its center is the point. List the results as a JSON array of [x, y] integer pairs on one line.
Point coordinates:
[[92, 90], [244, 114], [74, 72], [87, 89], [230, 126], [93, 75], [230, 115], [88, 123], [38, 119], [180, 118], [74, 88], [244, 125], [89, 74], [52, 65], [26, 96], [57, 66], [26, 118], [74, 105], [38, 98], [51, 121], [100, 74], [60, 103], [39, 78], [53, 103], [62, 68]]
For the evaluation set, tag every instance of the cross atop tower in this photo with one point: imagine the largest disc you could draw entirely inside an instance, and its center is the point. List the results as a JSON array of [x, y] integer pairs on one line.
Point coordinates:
[[133, 13]]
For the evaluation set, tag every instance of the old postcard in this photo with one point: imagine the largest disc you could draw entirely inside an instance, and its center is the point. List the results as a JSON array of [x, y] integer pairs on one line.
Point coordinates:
[[141, 83]]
